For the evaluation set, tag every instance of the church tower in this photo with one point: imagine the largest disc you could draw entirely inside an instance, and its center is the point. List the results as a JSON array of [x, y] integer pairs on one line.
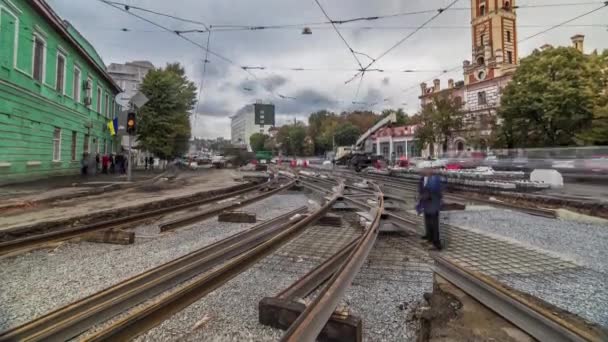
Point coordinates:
[[494, 33]]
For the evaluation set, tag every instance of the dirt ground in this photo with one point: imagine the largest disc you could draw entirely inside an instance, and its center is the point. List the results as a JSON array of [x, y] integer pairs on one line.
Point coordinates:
[[454, 316], [184, 185]]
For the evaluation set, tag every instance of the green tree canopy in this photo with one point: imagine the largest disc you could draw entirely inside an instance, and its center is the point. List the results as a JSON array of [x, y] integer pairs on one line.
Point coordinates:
[[551, 99], [164, 122], [439, 120], [257, 141], [347, 134]]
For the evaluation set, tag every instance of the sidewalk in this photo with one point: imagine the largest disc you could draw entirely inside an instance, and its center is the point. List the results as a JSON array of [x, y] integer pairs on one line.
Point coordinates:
[[186, 184], [49, 189]]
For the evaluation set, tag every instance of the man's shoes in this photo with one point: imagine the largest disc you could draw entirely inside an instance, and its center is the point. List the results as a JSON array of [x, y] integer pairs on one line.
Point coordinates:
[[438, 246], [425, 237]]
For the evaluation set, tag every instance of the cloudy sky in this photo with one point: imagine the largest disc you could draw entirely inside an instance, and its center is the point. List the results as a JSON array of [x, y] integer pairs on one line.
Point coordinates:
[[442, 45]]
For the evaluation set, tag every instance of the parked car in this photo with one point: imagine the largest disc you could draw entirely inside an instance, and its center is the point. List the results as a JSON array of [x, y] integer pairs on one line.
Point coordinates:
[[218, 161], [597, 164]]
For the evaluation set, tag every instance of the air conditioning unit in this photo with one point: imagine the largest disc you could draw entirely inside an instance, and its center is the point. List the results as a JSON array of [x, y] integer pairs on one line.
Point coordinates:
[[88, 84], [88, 101]]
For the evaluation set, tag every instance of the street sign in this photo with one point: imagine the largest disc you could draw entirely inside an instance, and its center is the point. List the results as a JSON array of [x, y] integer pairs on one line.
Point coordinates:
[[139, 100], [264, 114]]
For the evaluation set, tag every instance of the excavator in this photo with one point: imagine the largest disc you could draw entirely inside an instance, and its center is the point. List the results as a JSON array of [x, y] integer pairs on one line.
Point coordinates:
[[356, 157]]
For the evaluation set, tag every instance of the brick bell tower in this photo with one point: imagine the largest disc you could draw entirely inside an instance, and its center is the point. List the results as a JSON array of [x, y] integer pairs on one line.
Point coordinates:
[[494, 33]]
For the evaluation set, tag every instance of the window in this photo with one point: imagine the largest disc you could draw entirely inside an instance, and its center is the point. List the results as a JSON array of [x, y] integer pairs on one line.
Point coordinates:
[[57, 144], [510, 57], [482, 10], [481, 39], [76, 84], [89, 92], [481, 61], [39, 58], [98, 100], [481, 98], [107, 105], [85, 147], [73, 147], [508, 36], [60, 81]]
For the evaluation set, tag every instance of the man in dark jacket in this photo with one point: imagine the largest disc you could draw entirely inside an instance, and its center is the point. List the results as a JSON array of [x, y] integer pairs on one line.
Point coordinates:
[[429, 190]]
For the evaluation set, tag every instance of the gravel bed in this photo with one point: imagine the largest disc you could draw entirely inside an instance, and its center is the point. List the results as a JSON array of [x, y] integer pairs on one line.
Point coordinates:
[[579, 291], [583, 243], [384, 308], [230, 313], [35, 283]]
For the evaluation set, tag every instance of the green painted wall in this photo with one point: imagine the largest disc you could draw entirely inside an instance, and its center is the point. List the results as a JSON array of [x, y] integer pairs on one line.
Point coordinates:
[[30, 111]]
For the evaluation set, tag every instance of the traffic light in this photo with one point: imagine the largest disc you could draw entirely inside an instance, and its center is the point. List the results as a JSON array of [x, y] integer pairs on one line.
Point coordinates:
[[131, 123]]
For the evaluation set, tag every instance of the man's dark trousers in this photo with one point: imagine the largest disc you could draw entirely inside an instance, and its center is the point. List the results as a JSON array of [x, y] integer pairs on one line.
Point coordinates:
[[431, 223]]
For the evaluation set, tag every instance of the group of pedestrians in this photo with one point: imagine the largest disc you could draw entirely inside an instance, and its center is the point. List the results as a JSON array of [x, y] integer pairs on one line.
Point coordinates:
[[106, 164]]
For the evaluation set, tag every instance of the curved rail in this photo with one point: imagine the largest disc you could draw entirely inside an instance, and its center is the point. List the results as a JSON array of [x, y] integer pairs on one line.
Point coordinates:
[[536, 319], [310, 323], [65, 234]]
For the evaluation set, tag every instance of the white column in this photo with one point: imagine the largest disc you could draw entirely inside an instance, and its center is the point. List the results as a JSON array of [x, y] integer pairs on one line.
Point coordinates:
[[406, 150], [390, 147], [377, 146]]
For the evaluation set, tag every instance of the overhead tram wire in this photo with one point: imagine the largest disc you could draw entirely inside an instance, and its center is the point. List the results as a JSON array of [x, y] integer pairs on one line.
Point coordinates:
[[128, 6], [340, 34], [200, 88], [520, 41], [223, 58], [564, 23], [439, 12]]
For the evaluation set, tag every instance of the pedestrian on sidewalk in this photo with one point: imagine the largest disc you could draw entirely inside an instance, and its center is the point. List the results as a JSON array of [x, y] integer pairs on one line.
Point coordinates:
[[151, 163], [84, 164], [430, 196], [105, 163], [97, 162], [112, 163]]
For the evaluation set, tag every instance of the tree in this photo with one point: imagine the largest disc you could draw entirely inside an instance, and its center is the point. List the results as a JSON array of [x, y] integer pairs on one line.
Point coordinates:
[[257, 141], [439, 120], [402, 118], [164, 122], [347, 134], [551, 99], [291, 138]]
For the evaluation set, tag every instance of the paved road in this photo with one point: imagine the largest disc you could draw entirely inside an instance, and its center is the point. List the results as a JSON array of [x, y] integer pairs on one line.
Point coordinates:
[[583, 190]]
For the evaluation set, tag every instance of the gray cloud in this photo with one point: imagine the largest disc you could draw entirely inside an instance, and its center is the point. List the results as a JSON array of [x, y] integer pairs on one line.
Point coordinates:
[[306, 101], [280, 50]]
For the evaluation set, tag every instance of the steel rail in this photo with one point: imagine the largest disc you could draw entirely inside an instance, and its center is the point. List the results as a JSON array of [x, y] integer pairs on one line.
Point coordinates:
[[75, 318], [65, 234], [310, 323], [395, 182], [313, 279], [183, 221], [542, 323], [149, 316]]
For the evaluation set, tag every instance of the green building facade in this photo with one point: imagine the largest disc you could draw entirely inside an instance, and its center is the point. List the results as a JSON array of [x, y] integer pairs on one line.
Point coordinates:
[[55, 95]]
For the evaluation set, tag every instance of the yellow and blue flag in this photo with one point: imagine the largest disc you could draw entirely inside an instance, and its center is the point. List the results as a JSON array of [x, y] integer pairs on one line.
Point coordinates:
[[113, 126]]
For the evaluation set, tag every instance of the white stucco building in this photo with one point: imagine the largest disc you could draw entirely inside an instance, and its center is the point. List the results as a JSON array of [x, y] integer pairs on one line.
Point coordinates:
[[243, 126], [399, 140], [129, 77]]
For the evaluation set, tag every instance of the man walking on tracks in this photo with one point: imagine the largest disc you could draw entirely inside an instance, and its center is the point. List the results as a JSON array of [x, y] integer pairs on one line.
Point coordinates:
[[429, 191]]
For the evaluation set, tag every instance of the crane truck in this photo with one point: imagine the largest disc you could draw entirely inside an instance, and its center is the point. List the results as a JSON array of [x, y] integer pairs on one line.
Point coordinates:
[[356, 156]]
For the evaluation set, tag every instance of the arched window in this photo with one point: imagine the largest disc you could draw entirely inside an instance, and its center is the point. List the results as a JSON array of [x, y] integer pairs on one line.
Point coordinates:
[[507, 6], [460, 146], [481, 61]]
